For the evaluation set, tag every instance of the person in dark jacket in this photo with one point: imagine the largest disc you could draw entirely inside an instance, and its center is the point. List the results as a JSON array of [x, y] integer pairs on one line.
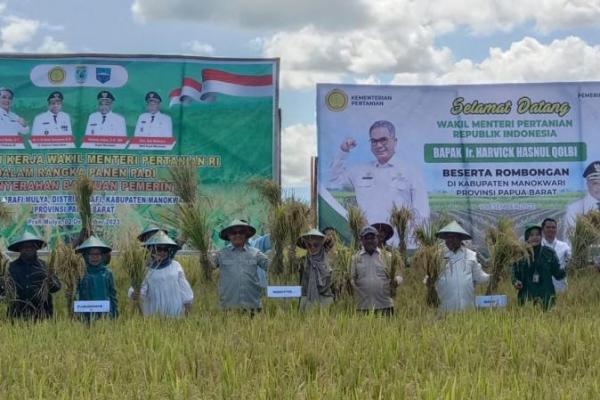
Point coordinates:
[[532, 276], [32, 281], [98, 282]]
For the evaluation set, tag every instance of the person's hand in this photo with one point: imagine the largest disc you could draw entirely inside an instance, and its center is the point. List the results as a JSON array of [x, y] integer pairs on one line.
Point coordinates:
[[518, 285], [398, 280], [135, 296], [348, 144], [22, 122]]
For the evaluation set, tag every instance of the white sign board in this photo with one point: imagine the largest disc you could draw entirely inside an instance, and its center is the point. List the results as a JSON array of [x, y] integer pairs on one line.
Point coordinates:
[[89, 306], [498, 300], [284, 291]]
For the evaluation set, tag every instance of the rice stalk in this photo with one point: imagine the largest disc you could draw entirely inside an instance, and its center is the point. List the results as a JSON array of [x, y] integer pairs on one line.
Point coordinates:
[[193, 223], [185, 181], [134, 259], [429, 258], [341, 261], [356, 221], [504, 248], [6, 212], [7, 284], [69, 266], [394, 263], [279, 234], [297, 219], [83, 188], [584, 234], [400, 218], [268, 189]]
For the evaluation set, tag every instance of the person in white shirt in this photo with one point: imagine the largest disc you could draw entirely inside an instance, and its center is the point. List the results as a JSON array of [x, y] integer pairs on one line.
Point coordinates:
[[383, 182], [562, 250], [456, 281], [591, 201], [10, 123], [104, 122], [54, 121], [153, 123], [165, 290]]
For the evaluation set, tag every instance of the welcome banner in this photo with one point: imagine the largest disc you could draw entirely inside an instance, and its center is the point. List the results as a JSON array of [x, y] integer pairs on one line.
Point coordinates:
[[473, 152], [124, 120]]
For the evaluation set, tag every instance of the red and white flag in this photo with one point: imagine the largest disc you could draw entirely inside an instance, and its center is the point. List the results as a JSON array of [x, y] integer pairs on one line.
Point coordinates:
[[216, 81]]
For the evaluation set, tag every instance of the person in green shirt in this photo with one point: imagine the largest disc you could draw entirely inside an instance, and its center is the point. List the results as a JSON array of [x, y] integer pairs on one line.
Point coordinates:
[[98, 282], [532, 275]]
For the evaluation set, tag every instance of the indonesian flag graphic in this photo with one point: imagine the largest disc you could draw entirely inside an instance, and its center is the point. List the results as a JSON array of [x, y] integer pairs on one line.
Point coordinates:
[[216, 81]]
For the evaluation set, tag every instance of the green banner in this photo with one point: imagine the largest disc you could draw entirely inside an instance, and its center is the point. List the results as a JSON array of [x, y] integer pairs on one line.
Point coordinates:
[[124, 120]]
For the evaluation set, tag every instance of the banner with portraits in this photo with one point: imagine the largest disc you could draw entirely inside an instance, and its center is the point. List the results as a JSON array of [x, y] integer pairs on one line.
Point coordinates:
[[472, 152], [124, 120]]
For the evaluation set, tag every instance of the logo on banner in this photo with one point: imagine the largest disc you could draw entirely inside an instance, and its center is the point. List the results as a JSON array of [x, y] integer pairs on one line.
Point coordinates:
[[80, 74], [103, 74], [57, 75], [336, 100]]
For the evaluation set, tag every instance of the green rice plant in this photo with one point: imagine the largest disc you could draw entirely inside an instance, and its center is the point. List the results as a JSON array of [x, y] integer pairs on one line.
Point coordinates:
[[584, 234], [400, 218], [83, 188], [505, 249], [69, 266], [429, 257], [356, 221]]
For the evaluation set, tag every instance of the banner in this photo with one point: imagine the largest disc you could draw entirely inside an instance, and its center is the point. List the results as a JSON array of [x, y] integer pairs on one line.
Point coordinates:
[[472, 152], [124, 120]]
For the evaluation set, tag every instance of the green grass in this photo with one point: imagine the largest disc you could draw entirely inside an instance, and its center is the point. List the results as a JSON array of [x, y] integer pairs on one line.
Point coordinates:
[[335, 354]]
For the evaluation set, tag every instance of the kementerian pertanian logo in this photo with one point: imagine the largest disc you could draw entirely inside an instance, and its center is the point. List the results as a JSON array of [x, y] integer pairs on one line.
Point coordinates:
[[336, 100], [57, 75]]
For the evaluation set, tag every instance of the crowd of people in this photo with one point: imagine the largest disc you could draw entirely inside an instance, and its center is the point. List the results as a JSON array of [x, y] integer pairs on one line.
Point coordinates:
[[165, 290]]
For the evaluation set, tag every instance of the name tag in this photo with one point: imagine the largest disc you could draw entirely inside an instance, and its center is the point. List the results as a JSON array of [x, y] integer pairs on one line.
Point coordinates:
[[284, 291], [498, 300], [89, 306]]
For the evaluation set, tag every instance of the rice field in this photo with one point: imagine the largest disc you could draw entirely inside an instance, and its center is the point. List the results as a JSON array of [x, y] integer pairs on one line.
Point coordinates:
[[335, 354]]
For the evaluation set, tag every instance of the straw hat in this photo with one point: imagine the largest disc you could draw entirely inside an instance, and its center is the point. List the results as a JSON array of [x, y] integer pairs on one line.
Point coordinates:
[[453, 228], [387, 230], [313, 232], [161, 239], [93, 242], [236, 223], [24, 238]]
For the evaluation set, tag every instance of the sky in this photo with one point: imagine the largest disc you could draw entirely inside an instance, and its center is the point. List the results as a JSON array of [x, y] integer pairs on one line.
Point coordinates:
[[350, 41]]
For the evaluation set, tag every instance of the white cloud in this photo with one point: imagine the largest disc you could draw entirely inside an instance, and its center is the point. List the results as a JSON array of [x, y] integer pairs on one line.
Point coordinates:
[[298, 144], [258, 14], [309, 54], [528, 60], [198, 48], [51, 45], [16, 32], [337, 39], [369, 80]]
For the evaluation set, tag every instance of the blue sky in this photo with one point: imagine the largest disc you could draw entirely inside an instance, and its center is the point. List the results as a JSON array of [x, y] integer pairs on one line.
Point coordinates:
[[353, 41]]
